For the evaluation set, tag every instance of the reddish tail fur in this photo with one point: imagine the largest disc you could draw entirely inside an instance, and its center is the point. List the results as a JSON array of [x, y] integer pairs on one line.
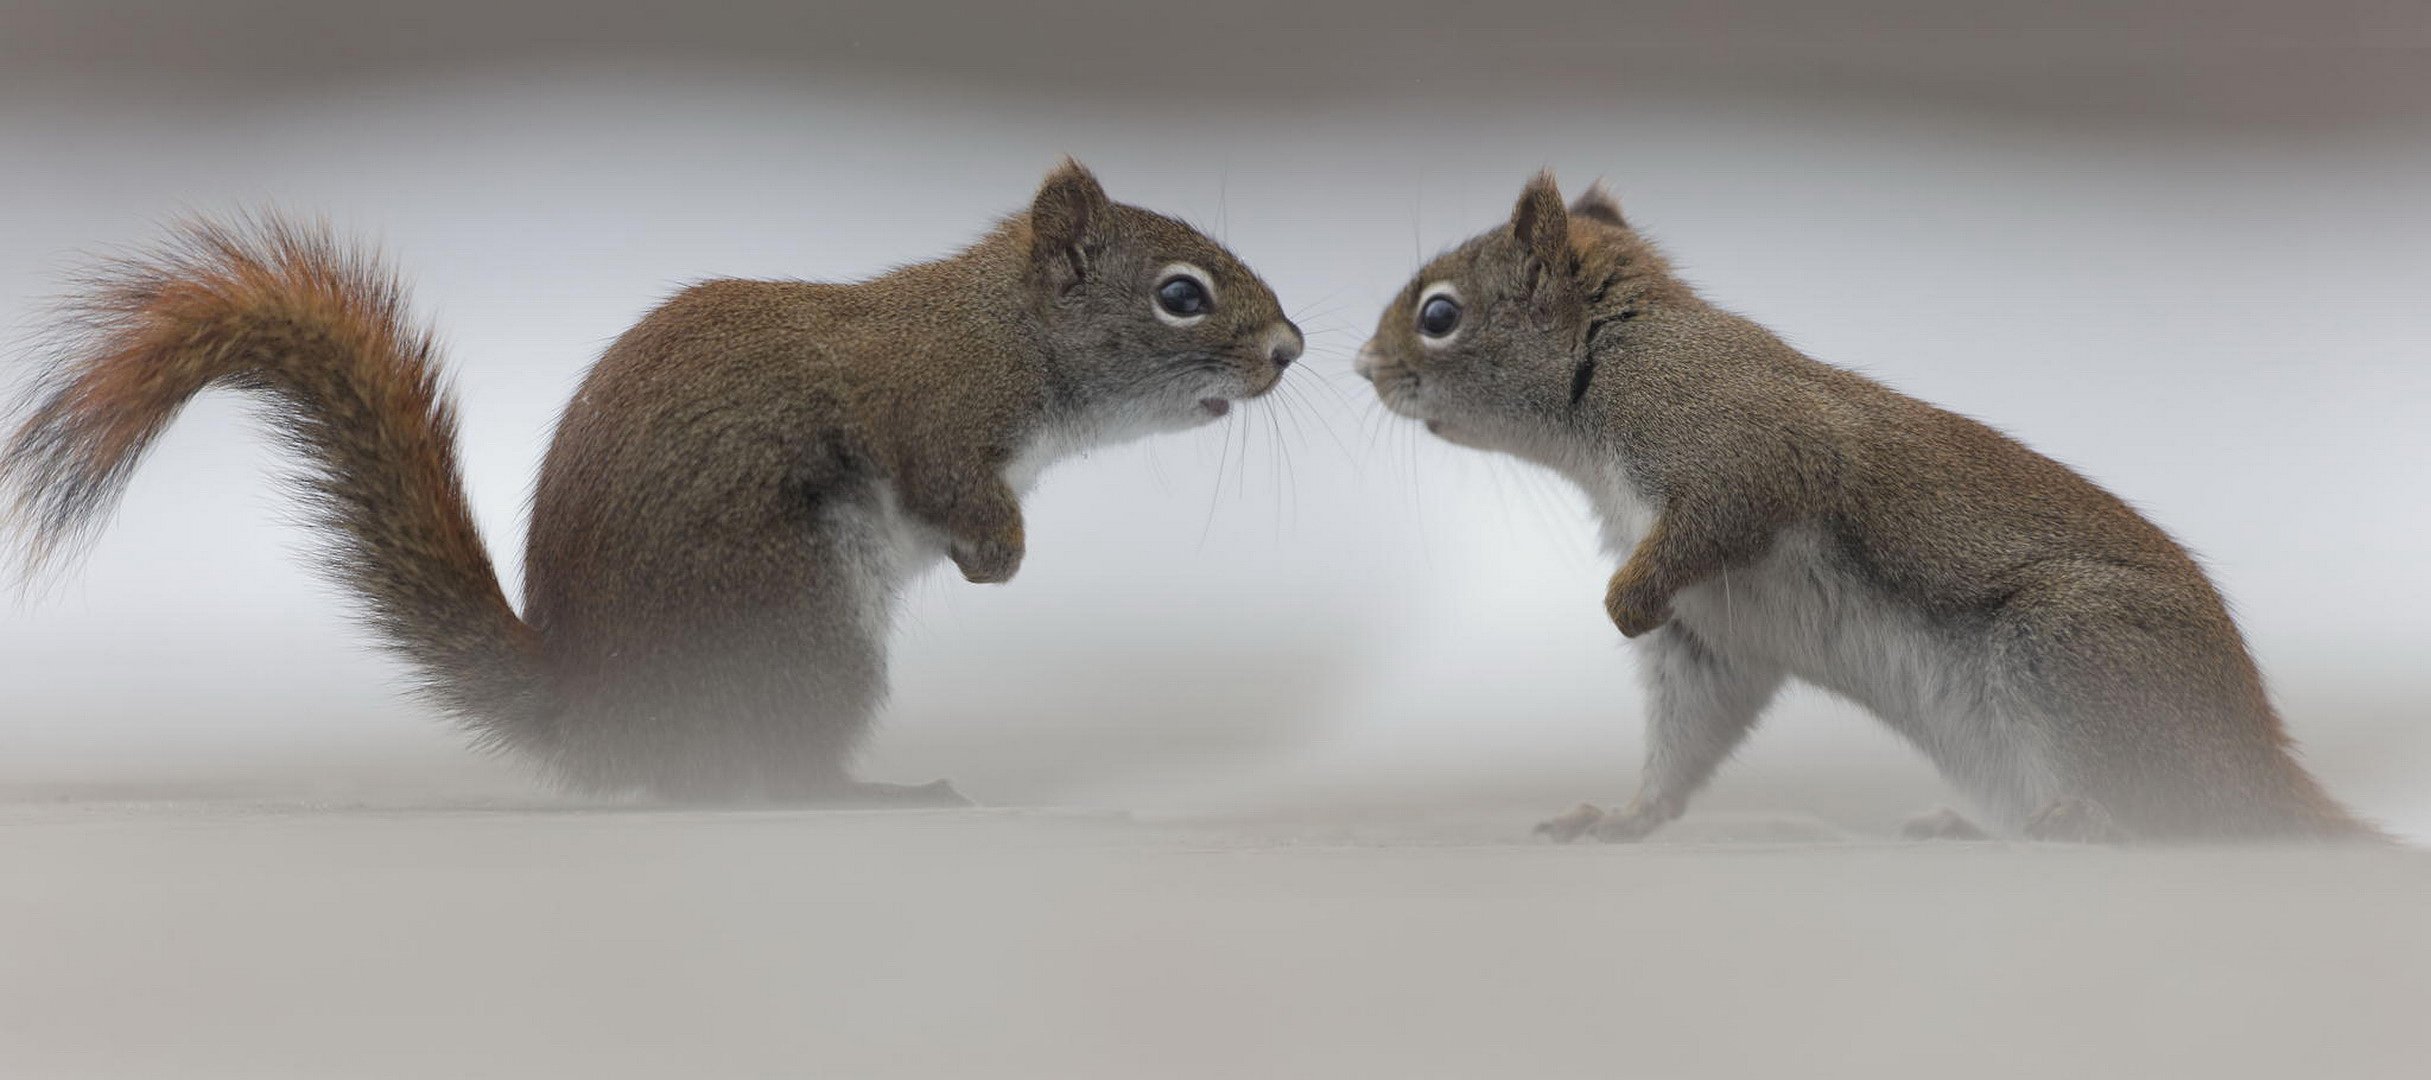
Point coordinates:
[[321, 336]]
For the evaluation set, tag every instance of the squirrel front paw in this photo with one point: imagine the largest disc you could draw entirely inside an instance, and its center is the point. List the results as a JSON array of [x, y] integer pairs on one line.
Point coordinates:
[[1632, 609], [989, 561]]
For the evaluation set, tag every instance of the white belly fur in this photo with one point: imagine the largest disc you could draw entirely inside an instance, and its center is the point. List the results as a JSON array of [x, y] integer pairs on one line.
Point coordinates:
[[890, 549], [1797, 611]]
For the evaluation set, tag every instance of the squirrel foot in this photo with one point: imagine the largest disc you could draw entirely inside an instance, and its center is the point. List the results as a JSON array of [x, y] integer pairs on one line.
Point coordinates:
[[1631, 823], [1572, 825], [1942, 824], [1616, 826], [2074, 820]]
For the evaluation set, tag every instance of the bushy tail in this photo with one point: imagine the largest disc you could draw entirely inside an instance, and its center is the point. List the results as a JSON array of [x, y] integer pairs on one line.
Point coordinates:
[[2318, 816], [321, 336]]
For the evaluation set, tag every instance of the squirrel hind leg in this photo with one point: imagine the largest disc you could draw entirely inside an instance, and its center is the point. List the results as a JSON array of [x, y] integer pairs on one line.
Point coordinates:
[[2147, 711]]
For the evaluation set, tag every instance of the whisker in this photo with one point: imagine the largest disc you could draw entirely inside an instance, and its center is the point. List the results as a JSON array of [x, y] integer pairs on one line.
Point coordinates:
[[1223, 203], [1418, 507], [1283, 476], [1215, 493], [1325, 312], [1327, 383], [1317, 416], [1240, 472], [1297, 313]]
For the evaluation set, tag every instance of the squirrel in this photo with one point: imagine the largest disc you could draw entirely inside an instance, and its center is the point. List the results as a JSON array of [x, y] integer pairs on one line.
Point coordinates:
[[2060, 659], [731, 501]]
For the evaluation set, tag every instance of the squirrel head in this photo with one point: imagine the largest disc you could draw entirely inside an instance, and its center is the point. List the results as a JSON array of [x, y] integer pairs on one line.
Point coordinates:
[[1146, 318], [1490, 343]]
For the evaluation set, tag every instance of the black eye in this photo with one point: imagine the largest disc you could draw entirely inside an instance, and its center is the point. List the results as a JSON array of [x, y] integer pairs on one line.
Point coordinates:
[[1439, 316], [1182, 295]]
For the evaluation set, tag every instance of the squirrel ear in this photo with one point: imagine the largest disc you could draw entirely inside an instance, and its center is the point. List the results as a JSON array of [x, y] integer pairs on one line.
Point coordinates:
[[1598, 205], [1069, 210], [1539, 223]]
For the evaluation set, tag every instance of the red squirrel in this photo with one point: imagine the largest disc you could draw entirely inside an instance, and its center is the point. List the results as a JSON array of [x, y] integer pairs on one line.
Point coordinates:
[[732, 500], [2057, 656]]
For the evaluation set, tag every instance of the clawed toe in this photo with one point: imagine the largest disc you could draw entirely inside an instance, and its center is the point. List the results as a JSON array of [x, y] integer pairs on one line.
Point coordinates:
[[1617, 826], [1629, 825], [1572, 825], [1942, 824], [2074, 820]]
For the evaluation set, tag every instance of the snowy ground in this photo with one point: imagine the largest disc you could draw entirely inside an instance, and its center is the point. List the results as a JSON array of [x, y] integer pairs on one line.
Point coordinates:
[[218, 937]]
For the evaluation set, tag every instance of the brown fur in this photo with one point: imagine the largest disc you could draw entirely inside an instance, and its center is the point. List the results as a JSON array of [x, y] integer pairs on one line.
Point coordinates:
[[732, 497], [1584, 352]]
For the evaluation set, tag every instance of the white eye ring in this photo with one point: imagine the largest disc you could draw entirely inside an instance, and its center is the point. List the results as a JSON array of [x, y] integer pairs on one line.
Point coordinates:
[[1171, 271], [1446, 290]]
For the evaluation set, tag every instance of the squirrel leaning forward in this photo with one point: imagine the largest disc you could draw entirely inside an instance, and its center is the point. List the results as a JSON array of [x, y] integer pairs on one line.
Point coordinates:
[[2058, 657], [733, 498]]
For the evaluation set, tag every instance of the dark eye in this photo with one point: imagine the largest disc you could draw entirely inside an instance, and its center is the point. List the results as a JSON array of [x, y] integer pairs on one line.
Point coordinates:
[[1439, 316], [1182, 295]]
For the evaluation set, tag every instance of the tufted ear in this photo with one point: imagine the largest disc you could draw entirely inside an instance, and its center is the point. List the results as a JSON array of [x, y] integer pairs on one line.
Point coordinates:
[[1540, 224], [1067, 216], [1598, 205]]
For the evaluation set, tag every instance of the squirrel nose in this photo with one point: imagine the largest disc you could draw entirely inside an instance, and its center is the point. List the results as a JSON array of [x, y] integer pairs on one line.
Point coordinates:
[[1284, 344]]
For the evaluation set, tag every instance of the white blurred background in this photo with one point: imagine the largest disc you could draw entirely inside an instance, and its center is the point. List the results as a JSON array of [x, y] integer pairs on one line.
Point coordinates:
[[2192, 265]]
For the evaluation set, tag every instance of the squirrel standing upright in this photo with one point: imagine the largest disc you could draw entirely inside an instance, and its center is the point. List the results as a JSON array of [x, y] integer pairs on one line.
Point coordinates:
[[733, 498], [2057, 656]]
